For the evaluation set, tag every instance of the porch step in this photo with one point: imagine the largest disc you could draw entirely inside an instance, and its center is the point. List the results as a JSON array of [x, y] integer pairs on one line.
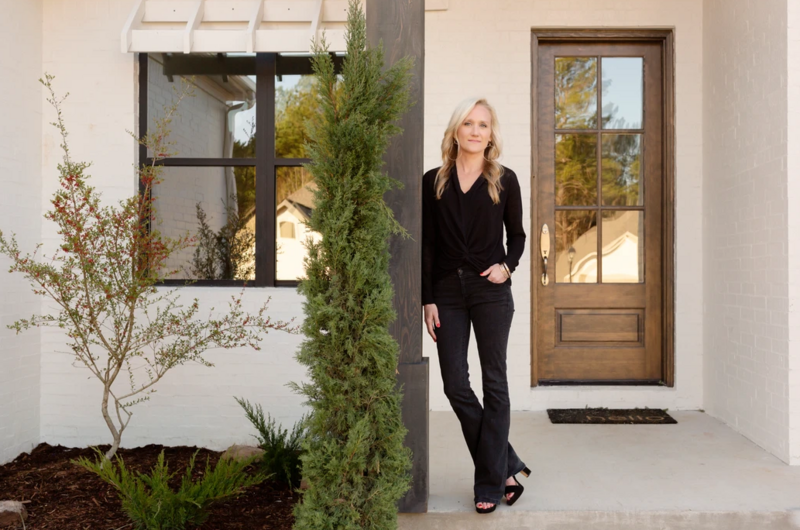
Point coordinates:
[[698, 474], [593, 520]]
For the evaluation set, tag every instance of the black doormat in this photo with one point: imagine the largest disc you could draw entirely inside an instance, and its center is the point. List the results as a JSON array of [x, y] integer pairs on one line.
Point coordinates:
[[607, 416]]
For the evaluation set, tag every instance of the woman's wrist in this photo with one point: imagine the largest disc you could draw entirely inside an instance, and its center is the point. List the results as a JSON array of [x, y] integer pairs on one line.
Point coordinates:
[[505, 269]]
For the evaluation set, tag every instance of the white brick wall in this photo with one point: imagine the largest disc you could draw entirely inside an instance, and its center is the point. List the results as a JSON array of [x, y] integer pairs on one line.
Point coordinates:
[[477, 47], [193, 405], [20, 178], [793, 199], [81, 50], [746, 219]]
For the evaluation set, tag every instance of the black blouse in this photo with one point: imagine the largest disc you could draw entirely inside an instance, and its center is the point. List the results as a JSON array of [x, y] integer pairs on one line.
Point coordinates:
[[467, 228]]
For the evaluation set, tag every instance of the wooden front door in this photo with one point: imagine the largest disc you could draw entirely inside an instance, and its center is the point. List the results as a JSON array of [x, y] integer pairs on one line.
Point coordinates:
[[599, 207]]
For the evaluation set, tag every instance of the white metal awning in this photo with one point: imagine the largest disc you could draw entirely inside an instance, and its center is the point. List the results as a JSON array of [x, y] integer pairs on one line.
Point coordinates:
[[244, 26]]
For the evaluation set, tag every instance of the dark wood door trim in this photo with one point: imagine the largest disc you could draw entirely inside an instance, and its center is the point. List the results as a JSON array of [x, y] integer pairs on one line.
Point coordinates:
[[666, 38]]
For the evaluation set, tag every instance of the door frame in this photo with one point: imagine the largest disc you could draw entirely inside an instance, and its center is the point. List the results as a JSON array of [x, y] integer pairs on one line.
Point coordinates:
[[666, 38]]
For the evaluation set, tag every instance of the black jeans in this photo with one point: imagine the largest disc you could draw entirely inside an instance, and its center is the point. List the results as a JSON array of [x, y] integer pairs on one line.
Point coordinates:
[[462, 298]]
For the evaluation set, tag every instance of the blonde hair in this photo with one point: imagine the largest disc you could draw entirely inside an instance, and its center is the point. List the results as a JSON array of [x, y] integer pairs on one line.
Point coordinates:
[[492, 170]]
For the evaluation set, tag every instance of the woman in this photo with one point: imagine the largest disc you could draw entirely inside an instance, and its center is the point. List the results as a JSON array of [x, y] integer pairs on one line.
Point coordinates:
[[466, 279]]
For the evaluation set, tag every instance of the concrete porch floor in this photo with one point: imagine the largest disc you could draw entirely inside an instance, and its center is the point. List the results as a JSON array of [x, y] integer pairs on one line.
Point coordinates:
[[698, 474]]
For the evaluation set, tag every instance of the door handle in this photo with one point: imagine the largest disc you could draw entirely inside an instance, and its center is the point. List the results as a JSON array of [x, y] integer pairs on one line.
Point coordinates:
[[544, 245]]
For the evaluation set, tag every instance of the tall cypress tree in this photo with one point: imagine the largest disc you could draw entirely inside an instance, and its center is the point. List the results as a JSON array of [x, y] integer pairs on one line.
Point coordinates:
[[355, 463]]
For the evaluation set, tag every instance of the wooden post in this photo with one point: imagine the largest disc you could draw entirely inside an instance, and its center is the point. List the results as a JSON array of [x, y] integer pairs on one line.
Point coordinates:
[[400, 24]]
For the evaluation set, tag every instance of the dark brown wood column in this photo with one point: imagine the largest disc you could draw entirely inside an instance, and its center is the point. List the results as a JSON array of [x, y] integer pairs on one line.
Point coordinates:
[[400, 24]]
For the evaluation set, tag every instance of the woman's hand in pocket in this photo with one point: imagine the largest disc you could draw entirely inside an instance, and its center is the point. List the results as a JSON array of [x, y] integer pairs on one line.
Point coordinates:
[[431, 319], [496, 273]]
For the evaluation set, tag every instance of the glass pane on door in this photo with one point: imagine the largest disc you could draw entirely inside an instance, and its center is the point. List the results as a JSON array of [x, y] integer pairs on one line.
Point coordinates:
[[622, 92], [576, 92], [576, 169], [576, 246], [621, 169], [623, 246]]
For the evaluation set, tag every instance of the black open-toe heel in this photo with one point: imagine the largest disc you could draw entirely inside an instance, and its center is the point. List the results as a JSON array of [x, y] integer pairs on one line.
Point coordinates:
[[517, 489], [485, 510]]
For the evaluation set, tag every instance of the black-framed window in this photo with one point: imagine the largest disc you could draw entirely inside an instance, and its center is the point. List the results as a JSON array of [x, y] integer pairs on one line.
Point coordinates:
[[238, 162]]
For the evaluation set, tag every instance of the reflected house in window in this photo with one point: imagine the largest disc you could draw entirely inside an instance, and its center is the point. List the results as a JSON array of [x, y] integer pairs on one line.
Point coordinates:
[[292, 214], [622, 251]]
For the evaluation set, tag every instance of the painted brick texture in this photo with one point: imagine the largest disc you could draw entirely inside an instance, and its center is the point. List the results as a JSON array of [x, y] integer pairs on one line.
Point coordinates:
[[746, 213], [20, 175], [793, 199], [477, 47]]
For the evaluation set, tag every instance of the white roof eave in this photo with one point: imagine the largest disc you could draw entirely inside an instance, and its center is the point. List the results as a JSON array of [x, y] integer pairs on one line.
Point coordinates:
[[233, 26]]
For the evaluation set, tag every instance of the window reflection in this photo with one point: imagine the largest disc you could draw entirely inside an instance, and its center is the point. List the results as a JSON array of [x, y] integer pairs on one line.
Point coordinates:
[[576, 246], [576, 169], [576, 92], [216, 124], [623, 246], [202, 202], [623, 90], [218, 121], [287, 229], [294, 105], [621, 167], [295, 206]]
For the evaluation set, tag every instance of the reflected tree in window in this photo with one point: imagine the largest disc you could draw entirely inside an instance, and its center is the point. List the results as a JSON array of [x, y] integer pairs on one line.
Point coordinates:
[[225, 254], [245, 176], [293, 107], [576, 92], [576, 170], [621, 168]]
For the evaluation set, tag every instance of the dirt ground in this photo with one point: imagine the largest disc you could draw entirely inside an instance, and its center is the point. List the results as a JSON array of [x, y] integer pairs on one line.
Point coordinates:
[[62, 496]]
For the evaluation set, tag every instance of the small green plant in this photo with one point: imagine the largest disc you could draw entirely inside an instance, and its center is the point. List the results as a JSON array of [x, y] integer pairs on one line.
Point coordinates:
[[151, 504], [282, 449]]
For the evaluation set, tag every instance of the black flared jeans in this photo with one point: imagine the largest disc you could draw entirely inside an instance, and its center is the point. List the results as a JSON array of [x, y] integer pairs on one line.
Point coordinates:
[[466, 298]]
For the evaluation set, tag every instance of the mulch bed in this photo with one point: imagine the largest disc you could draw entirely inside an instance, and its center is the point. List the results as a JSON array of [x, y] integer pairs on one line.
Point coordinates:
[[64, 496]]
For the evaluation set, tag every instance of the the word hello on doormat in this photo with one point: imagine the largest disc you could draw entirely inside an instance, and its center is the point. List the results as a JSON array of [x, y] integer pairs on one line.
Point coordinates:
[[611, 416]]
